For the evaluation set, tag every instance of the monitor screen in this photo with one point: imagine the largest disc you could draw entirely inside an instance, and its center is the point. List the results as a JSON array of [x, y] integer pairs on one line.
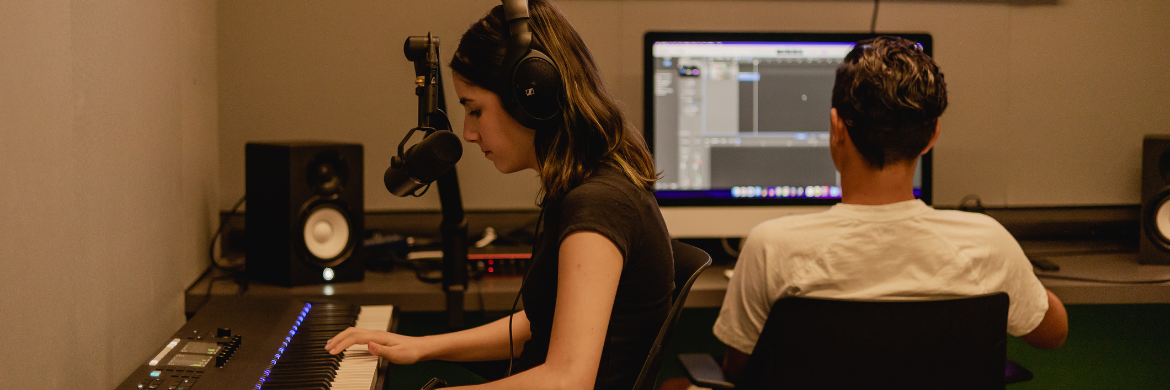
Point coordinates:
[[743, 118]]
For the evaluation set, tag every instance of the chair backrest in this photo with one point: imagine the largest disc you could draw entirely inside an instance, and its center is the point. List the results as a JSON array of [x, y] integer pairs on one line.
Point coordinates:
[[689, 262], [949, 343]]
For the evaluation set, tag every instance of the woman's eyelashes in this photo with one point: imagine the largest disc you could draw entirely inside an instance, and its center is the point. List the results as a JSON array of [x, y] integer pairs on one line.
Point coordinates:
[[473, 113]]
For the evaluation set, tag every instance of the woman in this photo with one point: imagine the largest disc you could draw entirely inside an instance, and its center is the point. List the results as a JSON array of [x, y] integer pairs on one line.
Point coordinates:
[[601, 280]]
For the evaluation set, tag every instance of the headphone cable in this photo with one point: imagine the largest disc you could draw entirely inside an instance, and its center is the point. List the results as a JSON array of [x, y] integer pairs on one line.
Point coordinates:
[[512, 312]]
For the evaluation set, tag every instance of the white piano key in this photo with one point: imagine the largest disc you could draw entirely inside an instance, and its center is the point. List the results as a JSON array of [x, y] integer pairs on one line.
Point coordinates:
[[359, 369]]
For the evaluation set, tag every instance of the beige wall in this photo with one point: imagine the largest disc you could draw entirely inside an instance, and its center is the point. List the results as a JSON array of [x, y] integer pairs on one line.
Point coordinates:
[[1050, 99], [117, 140], [109, 185], [336, 71]]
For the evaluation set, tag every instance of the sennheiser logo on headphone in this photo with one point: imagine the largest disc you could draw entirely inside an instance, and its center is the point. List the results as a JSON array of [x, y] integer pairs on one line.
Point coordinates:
[[530, 91]]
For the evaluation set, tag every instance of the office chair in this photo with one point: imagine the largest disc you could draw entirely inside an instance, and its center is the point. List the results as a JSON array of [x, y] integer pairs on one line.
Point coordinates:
[[947, 343], [689, 262]]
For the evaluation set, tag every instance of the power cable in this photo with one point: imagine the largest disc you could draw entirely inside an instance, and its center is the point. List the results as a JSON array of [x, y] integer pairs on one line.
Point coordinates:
[[873, 23]]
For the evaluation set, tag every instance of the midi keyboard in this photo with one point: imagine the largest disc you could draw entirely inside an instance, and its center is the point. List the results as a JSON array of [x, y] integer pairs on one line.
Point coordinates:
[[267, 344]]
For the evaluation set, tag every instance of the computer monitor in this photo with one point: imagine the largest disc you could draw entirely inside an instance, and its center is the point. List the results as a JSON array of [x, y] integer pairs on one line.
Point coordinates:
[[742, 119]]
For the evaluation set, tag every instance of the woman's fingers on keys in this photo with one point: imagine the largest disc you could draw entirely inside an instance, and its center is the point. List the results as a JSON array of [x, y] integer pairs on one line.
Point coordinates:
[[345, 339], [333, 340]]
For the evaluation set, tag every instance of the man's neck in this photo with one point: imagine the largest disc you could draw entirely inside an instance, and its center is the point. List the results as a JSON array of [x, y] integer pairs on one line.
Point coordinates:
[[892, 184]]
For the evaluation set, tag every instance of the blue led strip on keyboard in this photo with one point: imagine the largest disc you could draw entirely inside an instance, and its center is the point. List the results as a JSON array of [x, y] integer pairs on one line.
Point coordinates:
[[291, 332]]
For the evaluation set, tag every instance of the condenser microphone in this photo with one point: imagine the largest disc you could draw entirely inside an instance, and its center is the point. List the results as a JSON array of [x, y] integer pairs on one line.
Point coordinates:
[[423, 163]]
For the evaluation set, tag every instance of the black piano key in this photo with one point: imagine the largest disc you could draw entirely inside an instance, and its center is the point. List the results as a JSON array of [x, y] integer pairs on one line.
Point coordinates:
[[302, 375], [323, 385], [304, 362]]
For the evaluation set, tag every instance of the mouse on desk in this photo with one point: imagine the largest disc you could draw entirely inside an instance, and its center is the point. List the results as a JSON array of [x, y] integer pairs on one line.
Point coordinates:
[[1044, 264]]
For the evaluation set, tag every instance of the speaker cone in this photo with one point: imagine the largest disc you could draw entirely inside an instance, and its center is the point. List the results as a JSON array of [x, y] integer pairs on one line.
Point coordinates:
[[1157, 219], [326, 234], [1162, 219]]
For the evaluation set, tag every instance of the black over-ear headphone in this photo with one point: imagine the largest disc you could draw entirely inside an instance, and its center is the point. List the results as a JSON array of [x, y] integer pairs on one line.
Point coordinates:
[[533, 89]]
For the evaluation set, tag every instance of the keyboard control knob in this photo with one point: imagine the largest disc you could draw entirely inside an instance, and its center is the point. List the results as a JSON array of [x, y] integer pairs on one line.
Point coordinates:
[[223, 332]]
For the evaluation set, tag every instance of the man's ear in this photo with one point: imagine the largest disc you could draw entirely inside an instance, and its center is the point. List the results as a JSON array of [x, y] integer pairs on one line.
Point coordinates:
[[837, 131], [933, 137]]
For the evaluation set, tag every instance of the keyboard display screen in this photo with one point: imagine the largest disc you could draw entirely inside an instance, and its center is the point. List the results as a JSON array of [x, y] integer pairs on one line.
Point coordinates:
[[190, 360], [201, 347]]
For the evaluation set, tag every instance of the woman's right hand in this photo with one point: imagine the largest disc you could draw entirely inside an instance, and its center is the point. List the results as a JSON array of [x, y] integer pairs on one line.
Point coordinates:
[[399, 349]]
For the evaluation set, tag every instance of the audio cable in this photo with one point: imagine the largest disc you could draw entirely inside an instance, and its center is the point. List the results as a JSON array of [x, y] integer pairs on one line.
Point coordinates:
[[512, 312], [231, 270], [219, 232]]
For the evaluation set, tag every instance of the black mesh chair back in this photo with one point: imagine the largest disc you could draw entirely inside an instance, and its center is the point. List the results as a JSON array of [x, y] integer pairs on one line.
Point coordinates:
[[949, 343], [689, 262]]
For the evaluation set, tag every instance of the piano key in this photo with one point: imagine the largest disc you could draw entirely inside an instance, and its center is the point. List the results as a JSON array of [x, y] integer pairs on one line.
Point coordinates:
[[305, 363]]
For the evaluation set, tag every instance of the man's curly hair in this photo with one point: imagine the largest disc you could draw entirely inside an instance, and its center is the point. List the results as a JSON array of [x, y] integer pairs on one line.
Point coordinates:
[[889, 94]]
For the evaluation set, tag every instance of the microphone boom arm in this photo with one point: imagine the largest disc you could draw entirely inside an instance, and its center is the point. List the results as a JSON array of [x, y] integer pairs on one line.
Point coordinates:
[[424, 52]]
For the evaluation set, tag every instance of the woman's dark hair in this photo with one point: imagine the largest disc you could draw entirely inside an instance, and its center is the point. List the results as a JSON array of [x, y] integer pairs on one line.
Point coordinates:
[[595, 132], [889, 94]]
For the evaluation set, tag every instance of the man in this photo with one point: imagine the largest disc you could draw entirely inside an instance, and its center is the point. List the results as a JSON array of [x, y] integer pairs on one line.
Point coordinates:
[[881, 242]]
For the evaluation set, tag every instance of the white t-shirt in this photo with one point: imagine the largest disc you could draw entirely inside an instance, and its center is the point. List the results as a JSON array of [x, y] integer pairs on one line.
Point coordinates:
[[903, 250]]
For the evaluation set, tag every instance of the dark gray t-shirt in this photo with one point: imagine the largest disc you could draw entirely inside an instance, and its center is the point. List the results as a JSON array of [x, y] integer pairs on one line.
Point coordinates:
[[610, 204]]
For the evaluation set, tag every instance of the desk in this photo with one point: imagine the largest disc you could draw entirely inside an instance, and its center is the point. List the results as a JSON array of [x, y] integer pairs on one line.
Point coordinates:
[[1109, 266], [402, 289]]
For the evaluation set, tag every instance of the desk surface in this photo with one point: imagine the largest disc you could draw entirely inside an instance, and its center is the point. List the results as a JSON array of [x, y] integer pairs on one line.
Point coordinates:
[[402, 289]]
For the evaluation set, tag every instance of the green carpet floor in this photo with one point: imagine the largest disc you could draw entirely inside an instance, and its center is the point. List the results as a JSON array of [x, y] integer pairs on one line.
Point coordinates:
[[1108, 347]]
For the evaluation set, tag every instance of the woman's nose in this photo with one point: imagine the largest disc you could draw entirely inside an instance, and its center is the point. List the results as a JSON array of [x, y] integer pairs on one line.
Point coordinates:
[[469, 134]]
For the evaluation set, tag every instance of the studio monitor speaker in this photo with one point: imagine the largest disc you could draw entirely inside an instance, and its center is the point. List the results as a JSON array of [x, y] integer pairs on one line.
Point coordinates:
[[304, 218], [1155, 215]]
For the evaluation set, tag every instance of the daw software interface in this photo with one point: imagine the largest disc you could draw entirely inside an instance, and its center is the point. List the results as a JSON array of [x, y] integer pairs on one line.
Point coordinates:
[[738, 120]]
